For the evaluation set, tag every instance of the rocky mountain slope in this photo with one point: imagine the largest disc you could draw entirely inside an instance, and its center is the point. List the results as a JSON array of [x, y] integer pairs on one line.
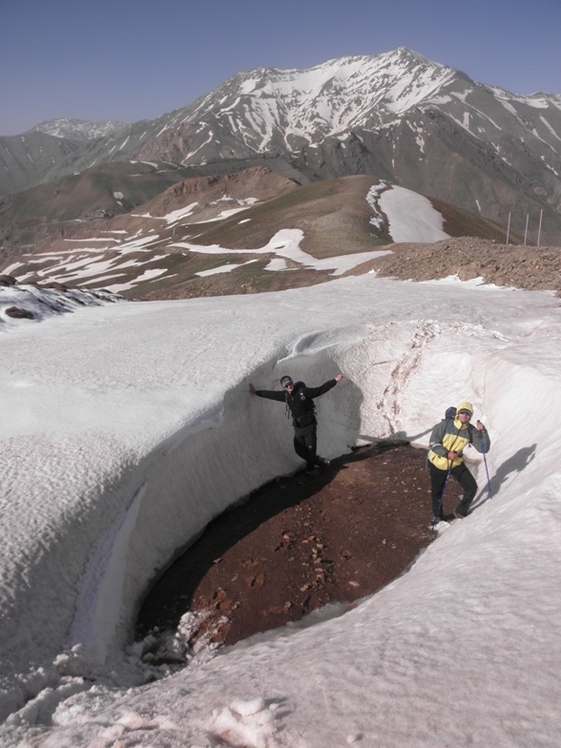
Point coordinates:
[[81, 202], [470, 258], [28, 159], [398, 116]]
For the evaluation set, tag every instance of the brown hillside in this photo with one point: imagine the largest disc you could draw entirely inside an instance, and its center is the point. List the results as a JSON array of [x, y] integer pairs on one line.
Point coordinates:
[[530, 268], [333, 214]]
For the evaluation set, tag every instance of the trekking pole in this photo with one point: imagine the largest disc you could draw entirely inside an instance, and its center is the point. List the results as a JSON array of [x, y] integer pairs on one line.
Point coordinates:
[[435, 519], [489, 493]]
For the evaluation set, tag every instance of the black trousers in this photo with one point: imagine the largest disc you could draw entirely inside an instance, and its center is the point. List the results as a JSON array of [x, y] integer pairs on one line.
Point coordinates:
[[438, 480], [305, 444]]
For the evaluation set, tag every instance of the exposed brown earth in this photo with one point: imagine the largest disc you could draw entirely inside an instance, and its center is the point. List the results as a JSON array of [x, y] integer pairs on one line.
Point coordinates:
[[300, 543], [530, 268], [333, 215]]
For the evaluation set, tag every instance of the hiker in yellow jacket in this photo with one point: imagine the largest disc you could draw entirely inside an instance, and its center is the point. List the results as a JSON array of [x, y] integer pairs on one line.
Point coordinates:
[[448, 440]]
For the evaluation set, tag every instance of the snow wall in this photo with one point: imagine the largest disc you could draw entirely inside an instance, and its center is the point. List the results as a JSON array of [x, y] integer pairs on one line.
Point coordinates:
[[399, 374], [247, 441]]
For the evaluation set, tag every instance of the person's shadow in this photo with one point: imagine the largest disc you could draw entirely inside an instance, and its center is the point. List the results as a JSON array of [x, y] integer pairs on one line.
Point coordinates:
[[396, 436], [515, 464]]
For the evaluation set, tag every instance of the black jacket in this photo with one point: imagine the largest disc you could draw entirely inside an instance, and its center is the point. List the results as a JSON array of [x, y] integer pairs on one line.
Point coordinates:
[[300, 401]]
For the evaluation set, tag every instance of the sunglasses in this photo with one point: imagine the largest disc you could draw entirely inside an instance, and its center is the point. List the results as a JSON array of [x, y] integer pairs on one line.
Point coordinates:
[[464, 413]]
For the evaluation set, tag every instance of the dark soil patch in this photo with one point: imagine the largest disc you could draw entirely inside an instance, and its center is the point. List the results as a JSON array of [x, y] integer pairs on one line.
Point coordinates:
[[300, 543]]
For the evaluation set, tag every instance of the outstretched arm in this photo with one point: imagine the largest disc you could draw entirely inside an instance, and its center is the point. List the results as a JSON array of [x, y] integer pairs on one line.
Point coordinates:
[[325, 387], [268, 394]]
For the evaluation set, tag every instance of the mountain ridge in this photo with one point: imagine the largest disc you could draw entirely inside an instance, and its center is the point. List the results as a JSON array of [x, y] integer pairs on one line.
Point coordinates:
[[248, 232], [78, 129], [397, 115]]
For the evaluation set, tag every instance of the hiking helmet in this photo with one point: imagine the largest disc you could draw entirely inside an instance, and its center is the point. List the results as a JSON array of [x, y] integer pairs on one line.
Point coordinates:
[[465, 406], [286, 381]]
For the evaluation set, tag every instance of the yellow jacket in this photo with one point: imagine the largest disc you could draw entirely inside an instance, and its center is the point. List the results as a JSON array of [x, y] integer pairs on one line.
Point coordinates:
[[454, 436]]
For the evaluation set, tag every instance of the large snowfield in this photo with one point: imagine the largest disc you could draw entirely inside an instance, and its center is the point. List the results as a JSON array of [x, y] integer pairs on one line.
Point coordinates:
[[125, 428]]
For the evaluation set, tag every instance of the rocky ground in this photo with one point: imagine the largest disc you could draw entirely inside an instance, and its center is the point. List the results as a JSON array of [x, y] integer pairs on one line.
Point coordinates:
[[468, 257], [529, 268], [300, 543]]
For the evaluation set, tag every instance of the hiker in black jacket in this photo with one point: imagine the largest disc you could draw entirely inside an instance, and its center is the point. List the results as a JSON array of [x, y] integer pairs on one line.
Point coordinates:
[[299, 400]]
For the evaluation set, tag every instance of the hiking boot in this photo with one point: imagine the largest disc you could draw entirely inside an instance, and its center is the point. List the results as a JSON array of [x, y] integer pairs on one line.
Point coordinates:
[[457, 515], [323, 464]]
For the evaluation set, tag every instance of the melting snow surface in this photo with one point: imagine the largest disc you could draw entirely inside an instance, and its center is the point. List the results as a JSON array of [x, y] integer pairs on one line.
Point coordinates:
[[411, 216], [126, 428]]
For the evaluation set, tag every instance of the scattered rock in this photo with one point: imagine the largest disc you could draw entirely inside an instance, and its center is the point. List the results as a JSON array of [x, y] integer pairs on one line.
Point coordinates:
[[298, 544], [17, 313], [468, 257], [469, 272]]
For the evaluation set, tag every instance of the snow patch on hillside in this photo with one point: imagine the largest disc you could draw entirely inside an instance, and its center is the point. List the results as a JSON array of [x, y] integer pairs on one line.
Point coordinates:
[[411, 217]]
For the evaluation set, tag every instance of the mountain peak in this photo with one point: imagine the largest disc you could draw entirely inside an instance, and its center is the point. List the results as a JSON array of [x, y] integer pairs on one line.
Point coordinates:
[[78, 129], [265, 106]]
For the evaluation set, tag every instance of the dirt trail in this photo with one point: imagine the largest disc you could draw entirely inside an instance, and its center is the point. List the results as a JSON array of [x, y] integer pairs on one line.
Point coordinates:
[[300, 543]]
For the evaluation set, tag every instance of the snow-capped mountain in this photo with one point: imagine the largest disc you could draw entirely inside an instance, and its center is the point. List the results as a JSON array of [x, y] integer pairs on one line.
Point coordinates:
[[286, 110], [38, 155], [78, 129], [398, 115], [355, 104]]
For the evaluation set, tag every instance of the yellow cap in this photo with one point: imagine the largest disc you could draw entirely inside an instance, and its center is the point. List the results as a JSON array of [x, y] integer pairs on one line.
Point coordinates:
[[464, 405]]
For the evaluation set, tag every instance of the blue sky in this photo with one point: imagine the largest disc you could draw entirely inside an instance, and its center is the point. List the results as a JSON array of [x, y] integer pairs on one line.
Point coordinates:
[[136, 59]]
